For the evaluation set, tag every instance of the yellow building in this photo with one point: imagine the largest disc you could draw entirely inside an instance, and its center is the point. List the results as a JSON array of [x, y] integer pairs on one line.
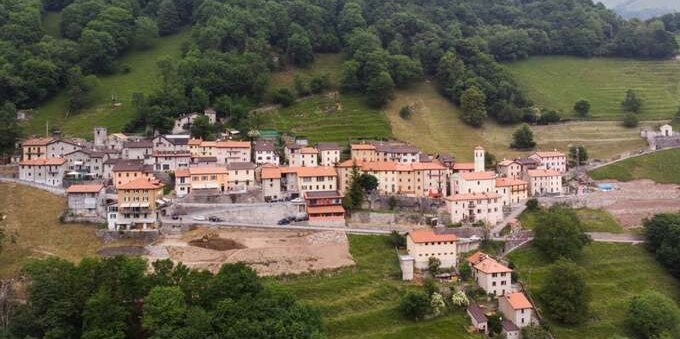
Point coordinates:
[[420, 179], [138, 204], [209, 179], [35, 148]]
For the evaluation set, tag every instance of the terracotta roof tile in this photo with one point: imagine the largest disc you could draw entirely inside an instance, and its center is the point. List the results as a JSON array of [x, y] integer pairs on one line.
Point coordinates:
[[141, 184], [478, 175], [43, 162], [38, 141], [325, 209], [543, 173], [518, 300], [362, 147], [426, 235], [504, 182], [490, 265], [233, 144], [89, 188]]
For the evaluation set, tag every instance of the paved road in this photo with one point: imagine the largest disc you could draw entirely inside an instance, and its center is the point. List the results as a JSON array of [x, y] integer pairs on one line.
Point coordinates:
[[616, 237], [518, 209], [226, 224]]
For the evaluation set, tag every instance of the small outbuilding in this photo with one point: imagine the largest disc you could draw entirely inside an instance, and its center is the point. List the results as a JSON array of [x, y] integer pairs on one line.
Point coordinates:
[[477, 317]]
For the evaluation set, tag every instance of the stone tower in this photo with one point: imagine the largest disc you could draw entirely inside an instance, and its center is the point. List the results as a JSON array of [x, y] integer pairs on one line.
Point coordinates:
[[100, 136], [479, 159]]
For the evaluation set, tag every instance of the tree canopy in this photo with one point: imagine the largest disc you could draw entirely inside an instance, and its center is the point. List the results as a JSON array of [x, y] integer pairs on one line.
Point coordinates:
[[653, 315], [564, 292], [663, 239], [559, 233]]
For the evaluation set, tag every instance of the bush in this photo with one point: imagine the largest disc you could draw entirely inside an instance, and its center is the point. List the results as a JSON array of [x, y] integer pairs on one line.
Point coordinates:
[[582, 107], [564, 292], [465, 270], [283, 97], [549, 117], [405, 112], [430, 286], [523, 138], [433, 265], [414, 305], [535, 332], [459, 299], [319, 84], [532, 204], [397, 239], [300, 86], [630, 120], [559, 233], [437, 304], [653, 314]]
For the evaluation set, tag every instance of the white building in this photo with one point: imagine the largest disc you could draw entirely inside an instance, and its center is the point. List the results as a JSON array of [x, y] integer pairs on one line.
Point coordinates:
[[491, 276], [137, 149], [48, 172], [516, 308], [305, 157], [544, 181], [553, 160], [509, 169], [183, 123], [292, 182], [329, 154], [87, 200], [425, 244], [265, 153], [474, 207], [169, 160], [87, 162], [240, 176]]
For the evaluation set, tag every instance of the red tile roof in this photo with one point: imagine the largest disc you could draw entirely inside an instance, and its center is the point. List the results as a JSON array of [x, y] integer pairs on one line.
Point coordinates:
[[362, 147], [38, 141], [472, 196], [548, 154], [503, 182], [141, 184], [464, 166], [325, 209], [476, 258], [478, 175], [43, 162], [270, 173], [543, 173], [309, 150], [89, 188], [490, 265], [232, 144], [426, 235], [185, 172], [518, 301]]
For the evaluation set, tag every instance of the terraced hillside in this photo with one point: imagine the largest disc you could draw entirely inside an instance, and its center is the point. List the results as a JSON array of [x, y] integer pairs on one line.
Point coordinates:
[[558, 82]]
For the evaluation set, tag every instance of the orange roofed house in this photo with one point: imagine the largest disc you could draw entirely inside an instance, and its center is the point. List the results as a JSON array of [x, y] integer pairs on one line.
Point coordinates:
[[425, 244], [280, 183], [42, 171], [516, 308], [87, 200], [325, 207], [208, 180], [544, 182], [492, 276], [139, 202]]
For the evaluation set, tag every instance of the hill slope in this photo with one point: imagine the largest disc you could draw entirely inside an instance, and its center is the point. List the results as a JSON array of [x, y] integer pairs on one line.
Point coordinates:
[[558, 82], [642, 9]]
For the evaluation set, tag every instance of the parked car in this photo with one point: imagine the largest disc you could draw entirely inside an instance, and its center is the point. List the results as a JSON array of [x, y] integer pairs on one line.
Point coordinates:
[[175, 216], [199, 218], [303, 217], [283, 221], [215, 219]]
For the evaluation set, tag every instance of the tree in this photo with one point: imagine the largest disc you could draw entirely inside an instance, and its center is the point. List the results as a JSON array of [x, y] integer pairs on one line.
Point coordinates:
[[523, 138], [398, 240], [437, 304], [549, 117], [201, 128], [653, 314], [465, 271], [578, 155], [532, 205], [662, 233], [146, 32], [414, 305], [630, 120], [350, 76], [355, 196], [300, 47], [392, 202], [472, 104], [318, 84], [459, 299], [564, 292], [104, 317], [559, 233], [10, 131], [283, 97], [489, 160], [494, 324], [80, 89], [164, 310], [368, 182], [380, 89], [582, 108], [405, 112], [433, 264], [300, 86], [168, 18], [631, 103]]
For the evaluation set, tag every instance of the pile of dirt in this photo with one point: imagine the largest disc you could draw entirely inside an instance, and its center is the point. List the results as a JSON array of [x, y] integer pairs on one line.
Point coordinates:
[[212, 241]]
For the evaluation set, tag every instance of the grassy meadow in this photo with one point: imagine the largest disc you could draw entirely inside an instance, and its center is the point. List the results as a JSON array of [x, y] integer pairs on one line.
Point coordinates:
[[662, 167], [324, 63], [435, 126], [558, 82], [39, 234], [594, 220], [362, 301], [141, 78], [615, 274], [330, 118]]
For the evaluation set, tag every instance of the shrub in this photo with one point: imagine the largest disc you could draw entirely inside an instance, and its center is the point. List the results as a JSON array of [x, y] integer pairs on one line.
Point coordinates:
[[392, 202], [582, 107], [465, 270], [437, 304], [397, 239], [652, 314], [414, 305], [549, 117], [284, 97], [532, 204], [405, 112], [564, 292], [523, 137], [459, 299], [630, 120], [319, 84], [433, 265]]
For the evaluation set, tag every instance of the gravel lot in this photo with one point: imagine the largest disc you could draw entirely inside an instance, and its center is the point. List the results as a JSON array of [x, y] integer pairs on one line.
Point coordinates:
[[269, 252]]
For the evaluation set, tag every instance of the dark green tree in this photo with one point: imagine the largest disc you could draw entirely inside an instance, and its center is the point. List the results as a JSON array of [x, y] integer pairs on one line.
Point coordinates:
[[300, 47], [104, 317], [559, 233], [652, 314], [578, 155], [582, 108], [564, 293], [201, 128], [414, 305], [473, 106], [630, 120], [10, 131], [283, 97], [631, 103], [523, 138], [168, 18], [146, 32], [380, 89], [368, 182], [663, 239]]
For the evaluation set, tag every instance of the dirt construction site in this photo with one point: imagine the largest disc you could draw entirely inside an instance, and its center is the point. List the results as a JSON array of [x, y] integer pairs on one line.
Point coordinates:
[[631, 202], [269, 252]]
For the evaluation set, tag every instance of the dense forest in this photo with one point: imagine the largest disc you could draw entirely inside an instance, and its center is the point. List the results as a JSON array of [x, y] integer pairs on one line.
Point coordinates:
[[116, 298], [236, 44]]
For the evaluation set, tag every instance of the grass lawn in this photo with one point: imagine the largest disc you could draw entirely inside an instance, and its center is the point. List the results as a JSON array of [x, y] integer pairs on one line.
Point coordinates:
[[662, 167], [330, 63], [594, 220], [51, 22], [615, 274], [435, 127], [558, 82], [325, 118], [362, 301], [141, 78], [32, 215]]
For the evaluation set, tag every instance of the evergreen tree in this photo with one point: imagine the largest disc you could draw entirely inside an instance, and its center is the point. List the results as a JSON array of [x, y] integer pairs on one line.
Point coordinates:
[[523, 138], [168, 18], [473, 105], [631, 103]]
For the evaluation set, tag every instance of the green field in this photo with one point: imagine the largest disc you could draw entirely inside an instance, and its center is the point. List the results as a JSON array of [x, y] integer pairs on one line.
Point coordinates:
[[558, 82], [330, 118], [361, 302], [51, 22], [141, 78], [325, 63], [662, 167], [594, 220], [435, 126], [615, 273]]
